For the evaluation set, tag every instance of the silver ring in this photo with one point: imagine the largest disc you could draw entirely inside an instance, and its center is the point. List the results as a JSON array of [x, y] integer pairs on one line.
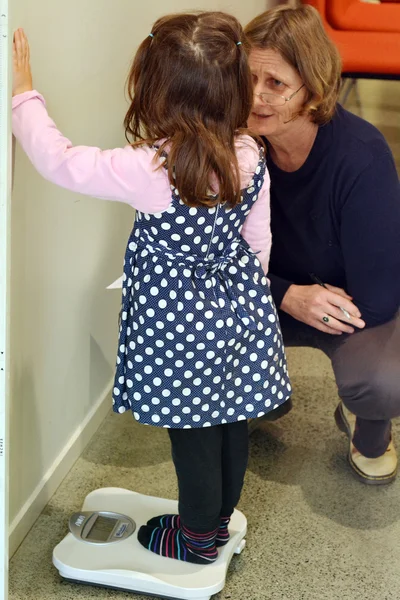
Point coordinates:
[[325, 319]]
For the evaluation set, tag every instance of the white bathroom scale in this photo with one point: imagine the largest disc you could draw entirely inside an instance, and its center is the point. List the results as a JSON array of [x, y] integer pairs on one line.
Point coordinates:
[[102, 549]]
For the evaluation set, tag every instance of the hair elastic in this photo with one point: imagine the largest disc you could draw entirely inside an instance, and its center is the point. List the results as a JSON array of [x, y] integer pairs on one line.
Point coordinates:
[[151, 35], [238, 43]]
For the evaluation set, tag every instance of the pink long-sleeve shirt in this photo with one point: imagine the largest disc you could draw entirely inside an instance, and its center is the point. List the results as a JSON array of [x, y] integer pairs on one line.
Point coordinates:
[[126, 174]]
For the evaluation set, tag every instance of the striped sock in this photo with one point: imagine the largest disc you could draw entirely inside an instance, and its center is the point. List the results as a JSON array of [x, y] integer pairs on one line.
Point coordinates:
[[181, 544], [174, 522], [223, 532], [169, 521]]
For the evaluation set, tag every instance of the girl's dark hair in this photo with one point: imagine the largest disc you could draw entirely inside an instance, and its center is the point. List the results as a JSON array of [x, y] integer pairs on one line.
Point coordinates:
[[190, 85]]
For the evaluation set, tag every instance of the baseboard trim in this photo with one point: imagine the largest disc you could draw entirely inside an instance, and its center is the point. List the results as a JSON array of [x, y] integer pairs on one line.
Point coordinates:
[[61, 466]]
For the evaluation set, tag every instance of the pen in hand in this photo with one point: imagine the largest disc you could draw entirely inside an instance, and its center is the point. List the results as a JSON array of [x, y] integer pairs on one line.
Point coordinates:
[[321, 283]]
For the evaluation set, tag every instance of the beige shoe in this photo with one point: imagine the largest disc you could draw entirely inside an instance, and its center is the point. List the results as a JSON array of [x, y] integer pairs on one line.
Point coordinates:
[[373, 471]]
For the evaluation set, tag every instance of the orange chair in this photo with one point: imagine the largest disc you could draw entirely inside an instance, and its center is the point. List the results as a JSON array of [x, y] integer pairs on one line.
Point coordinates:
[[363, 16], [365, 54]]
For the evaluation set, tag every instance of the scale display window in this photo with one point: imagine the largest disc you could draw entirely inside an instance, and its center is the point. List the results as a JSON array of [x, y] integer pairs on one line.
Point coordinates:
[[101, 527]]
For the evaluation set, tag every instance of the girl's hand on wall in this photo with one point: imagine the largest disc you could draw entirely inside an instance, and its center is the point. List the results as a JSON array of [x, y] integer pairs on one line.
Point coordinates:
[[22, 76]]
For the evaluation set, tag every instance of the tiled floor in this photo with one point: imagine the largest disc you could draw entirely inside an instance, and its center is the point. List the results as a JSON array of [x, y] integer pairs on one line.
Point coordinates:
[[315, 533]]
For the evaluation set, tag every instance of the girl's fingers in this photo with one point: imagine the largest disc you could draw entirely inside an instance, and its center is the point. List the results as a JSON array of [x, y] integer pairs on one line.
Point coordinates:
[[28, 49], [25, 45], [21, 47], [22, 44], [22, 77], [18, 39]]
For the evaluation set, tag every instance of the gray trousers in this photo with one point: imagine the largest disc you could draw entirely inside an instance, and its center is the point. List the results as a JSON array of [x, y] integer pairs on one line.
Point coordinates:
[[366, 366]]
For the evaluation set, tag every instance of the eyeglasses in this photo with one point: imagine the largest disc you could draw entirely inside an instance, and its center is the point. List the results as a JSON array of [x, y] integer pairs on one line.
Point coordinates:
[[275, 99]]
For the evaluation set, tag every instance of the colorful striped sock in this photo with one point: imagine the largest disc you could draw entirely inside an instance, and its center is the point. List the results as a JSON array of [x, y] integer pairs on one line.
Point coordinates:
[[180, 544], [174, 522], [169, 521], [223, 532]]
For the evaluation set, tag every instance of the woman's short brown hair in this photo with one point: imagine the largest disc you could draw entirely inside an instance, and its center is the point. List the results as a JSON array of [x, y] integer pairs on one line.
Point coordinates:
[[190, 84], [299, 37]]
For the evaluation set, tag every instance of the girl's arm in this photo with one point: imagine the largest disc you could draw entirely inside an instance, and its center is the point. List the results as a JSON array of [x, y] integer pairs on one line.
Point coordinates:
[[122, 174], [257, 227]]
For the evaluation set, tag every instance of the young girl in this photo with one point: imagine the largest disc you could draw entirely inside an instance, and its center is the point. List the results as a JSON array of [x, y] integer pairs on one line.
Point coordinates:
[[200, 349]]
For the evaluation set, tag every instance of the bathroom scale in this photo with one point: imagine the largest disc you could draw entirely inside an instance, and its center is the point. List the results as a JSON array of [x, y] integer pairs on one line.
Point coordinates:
[[102, 549]]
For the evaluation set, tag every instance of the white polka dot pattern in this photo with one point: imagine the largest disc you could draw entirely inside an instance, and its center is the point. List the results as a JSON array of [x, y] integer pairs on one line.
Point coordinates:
[[199, 342]]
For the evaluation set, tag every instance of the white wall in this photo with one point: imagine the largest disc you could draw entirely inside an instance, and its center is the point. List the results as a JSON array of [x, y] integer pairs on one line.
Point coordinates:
[[66, 248]]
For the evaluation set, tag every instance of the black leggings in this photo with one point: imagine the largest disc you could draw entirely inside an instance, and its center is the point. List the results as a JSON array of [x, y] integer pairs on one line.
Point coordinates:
[[210, 464]]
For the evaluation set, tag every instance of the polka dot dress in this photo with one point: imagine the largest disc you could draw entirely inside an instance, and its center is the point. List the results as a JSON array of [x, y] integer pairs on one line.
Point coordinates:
[[199, 341]]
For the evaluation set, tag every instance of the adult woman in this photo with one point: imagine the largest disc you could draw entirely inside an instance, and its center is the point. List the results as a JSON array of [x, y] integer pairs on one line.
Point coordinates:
[[335, 203]]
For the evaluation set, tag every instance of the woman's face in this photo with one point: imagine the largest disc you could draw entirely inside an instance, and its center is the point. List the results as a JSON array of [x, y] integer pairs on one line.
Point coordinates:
[[272, 74]]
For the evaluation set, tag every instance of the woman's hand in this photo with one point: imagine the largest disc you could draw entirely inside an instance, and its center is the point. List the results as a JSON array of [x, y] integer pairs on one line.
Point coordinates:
[[312, 303], [22, 76]]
